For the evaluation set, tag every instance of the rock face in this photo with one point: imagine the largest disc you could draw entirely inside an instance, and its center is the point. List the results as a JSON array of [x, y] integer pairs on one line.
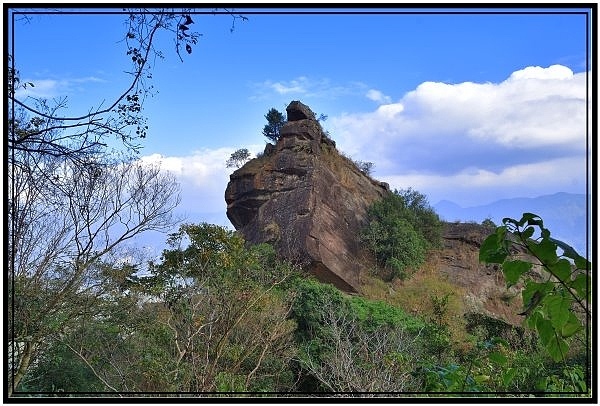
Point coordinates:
[[307, 200], [483, 284]]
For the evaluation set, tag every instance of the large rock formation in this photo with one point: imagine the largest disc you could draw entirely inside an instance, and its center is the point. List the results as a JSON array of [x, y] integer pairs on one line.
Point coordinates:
[[484, 286], [307, 200]]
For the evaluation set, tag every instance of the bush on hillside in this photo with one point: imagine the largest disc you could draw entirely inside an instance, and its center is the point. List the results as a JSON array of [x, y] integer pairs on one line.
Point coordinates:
[[402, 227]]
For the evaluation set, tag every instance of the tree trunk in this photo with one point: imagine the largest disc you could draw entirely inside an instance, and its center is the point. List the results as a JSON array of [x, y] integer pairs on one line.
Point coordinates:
[[26, 357]]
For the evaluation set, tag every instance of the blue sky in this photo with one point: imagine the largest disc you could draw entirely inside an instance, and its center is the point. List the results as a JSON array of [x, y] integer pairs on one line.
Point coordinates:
[[470, 108]]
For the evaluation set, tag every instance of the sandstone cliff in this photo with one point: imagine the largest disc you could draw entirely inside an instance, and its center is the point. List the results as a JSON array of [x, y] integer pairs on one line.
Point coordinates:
[[475, 288], [307, 200], [483, 285], [310, 203]]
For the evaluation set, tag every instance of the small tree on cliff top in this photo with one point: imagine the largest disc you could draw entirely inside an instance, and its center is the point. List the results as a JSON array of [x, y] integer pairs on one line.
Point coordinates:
[[275, 120], [238, 158]]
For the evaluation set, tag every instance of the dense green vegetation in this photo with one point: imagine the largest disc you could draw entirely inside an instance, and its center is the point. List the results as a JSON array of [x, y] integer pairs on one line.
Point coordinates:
[[402, 227], [217, 315]]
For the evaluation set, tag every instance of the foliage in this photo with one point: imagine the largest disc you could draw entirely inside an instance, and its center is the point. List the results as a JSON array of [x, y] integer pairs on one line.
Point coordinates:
[[275, 120], [402, 227], [351, 343], [572, 379], [216, 315], [420, 295], [550, 304], [238, 158], [71, 204], [225, 310], [375, 314], [486, 364], [211, 316], [74, 375]]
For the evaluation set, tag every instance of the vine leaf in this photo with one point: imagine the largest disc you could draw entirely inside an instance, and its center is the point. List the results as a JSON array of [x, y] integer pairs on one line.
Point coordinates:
[[555, 345], [493, 249], [558, 310], [580, 286], [545, 250], [561, 269], [572, 326], [513, 270]]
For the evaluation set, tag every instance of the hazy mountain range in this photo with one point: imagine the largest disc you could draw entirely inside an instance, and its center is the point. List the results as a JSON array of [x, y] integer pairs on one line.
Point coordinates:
[[566, 215]]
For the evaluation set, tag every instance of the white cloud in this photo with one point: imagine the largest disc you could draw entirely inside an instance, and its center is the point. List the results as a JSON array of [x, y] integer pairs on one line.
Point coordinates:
[[378, 96], [203, 176], [306, 87], [49, 88], [477, 136], [475, 186], [537, 72], [294, 86]]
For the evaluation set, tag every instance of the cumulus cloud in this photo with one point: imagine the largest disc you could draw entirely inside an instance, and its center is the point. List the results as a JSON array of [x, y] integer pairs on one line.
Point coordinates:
[[203, 177], [378, 96], [474, 186], [537, 72], [478, 136]]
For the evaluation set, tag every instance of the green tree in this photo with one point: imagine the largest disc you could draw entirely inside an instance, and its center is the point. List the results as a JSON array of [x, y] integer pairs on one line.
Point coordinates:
[[71, 205], [275, 120], [238, 158], [402, 227], [224, 311], [351, 344], [211, 315]]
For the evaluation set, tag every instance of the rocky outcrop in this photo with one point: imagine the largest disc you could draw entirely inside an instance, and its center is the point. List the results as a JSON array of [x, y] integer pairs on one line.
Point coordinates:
[[307, 200], [484, 286]]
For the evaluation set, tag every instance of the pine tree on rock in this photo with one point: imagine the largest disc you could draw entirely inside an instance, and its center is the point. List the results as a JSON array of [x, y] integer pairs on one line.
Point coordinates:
[[275, 120]]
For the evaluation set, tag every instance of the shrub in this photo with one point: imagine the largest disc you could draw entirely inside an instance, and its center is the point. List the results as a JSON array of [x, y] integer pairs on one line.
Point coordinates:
[[402, 227], [349, 343]]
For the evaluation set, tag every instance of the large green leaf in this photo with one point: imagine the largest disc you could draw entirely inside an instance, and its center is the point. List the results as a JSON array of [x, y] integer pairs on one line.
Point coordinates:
[[513, 270], [493, 249], [582, 263], [531, 219], [532, 287], [545, 250], [558, 308], [498, 357], [554, 344], [572, 326], [508, 376], [580, 284], [527, 233], [561, 269]]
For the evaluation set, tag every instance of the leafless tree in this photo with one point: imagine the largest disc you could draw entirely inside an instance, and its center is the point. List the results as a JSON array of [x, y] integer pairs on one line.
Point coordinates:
[[69, 206], [58, 234], [363, 360], [75, 137]]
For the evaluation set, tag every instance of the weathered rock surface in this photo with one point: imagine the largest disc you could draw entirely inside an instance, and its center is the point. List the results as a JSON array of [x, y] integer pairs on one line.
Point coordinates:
[[307, 200], [484, 285]]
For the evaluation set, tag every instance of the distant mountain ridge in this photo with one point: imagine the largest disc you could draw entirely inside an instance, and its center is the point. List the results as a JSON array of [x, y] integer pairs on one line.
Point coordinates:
[[564, 214]]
